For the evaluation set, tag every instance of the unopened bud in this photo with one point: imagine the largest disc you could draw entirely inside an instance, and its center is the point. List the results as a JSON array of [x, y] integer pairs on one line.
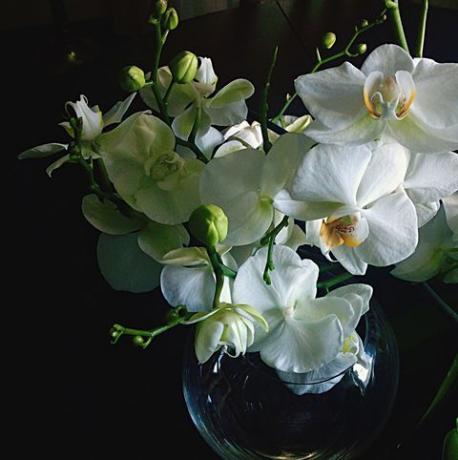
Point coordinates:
[[362, 48], [138, 341], [328, 40], [132, 78], [364, 23], [160, 7], [184, 67], [170, 19], [209, 224]]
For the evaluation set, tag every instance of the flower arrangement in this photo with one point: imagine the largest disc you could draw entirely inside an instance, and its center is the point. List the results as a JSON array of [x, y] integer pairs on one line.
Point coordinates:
[[190, 196]]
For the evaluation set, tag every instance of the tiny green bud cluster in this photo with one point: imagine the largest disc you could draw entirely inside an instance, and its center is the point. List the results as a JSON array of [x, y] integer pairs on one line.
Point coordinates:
[[184, 67], [132, 78], [329, 40], [209, 224], [362, 48]]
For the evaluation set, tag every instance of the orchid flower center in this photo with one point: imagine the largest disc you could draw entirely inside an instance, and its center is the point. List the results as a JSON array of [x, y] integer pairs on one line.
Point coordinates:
[[341, 231], [389, 96], [165, 165]]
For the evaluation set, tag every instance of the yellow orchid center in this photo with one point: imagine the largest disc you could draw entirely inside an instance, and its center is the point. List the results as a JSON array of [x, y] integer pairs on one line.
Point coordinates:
[[389, 96], [341, 231]]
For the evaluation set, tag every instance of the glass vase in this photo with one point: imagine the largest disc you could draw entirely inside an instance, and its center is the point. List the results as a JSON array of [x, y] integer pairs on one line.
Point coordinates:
[[246, 410]]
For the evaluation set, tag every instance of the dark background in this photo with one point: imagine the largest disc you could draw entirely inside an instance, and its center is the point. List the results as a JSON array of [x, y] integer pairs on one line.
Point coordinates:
[[76, 395]]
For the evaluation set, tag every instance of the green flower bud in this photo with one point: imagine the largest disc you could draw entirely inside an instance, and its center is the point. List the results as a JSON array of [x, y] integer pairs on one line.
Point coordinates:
[[132, 78], [208, 224], [170, 19], [362, 48], [450, 450], [328, 40], [364, 23], [138, 340], [160, 7], [184, 67]]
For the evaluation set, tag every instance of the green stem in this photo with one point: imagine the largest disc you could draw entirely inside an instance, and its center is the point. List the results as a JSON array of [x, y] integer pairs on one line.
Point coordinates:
[[106, 184], [167, 94], [158, 44], [346, 52], [219, 275], [333, 281], [422, 29], [200, 156], [195, 126], [448, 310], [269, 239], [265, 105], [393, 8], [160, 103]]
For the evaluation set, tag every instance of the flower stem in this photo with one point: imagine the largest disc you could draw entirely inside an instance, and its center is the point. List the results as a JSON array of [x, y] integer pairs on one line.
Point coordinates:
[[200, 156], [265, 105], [178, 316], [393, 8], [346, 52], [422, 29], [448, 310], [269, 239], [219, 275], [333, 281]]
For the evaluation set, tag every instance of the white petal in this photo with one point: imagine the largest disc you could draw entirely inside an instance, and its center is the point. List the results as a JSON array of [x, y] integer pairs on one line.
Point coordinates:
[[57, 164], [106, 217], [283, 160], [190, 286], [451, 211], [393, 233], [437, 89], [188, 257], [350, 260], [208, 140], [425, 211], [207, 340], [157, 240], [229, 147], [331, 173], [295, 239], [42, 151], [418, 136], [303, 210], [116, 113], [302, 346], [388, 59], [235, 91], [333, 96], [292, 279], [228, 114], [183, 124], [91, 119], [362, 130], [384, 174], [431, 177], [206, 78], [124, 266]]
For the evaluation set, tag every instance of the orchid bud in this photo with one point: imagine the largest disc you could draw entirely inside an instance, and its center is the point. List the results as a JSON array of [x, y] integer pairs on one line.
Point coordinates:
[[362, 48], [209, 224], [184, 67], [170, 19], [138, 340], [364, 23], [132, 78], [451, 444], [328, 40], [160, 7]]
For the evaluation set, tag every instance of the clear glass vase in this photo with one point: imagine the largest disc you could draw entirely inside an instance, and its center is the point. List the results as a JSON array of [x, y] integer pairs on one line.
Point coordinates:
[[246, 410]]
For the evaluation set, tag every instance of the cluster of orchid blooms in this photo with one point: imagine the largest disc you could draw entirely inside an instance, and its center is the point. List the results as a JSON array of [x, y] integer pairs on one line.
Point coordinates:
[[369, 174]]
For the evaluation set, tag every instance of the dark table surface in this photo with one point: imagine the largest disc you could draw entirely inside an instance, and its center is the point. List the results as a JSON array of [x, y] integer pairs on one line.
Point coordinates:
[[79, 396]]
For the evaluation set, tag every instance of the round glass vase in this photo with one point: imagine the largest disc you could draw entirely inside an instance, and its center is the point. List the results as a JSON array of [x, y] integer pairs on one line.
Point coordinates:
[[244, 410]]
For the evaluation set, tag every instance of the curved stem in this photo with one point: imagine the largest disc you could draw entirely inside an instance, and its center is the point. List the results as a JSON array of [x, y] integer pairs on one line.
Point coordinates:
[[448, 310], [194, 148], [393, 8], [269, 239], [422, 29]]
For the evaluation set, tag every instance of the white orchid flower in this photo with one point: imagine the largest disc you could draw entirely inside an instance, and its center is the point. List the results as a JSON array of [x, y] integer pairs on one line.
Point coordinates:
[[414, 102], [188, 279], [354, 204], [230, 326], [430, 178], [93, 123], [248, 186], [240, 136], [305, 332], [437, 252], [195, 102], [147, 173]]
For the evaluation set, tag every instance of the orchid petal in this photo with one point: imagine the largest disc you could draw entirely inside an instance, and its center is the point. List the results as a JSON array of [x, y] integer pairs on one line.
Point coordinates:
[[124, 266], [451, 211], [350, 260], [425, 211], [42, 151], [388, 59], [117, 112], [57, 164], [236, 91]]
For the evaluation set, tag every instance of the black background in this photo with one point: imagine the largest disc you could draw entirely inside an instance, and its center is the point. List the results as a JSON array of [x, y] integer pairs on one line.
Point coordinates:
[[76, 395]]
